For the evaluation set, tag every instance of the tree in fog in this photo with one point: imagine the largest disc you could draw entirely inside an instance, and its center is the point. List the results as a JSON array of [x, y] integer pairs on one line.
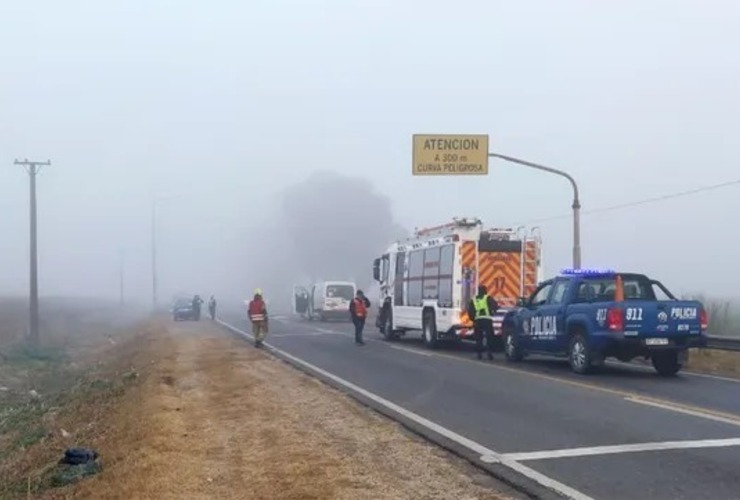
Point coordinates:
[[337, 225]]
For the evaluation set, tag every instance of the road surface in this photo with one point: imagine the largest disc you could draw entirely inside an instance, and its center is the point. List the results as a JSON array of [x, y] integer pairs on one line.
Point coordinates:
[[623, 433]]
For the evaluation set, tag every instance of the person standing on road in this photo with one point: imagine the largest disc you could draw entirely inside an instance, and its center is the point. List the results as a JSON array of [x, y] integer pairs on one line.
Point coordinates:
[[212, 307], [481, 309], [258, 316], [197, 301], [358, 311]]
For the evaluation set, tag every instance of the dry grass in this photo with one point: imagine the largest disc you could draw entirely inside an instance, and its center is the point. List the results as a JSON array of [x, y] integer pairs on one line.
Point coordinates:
[[715, 362], [213, 418], [64, 375]]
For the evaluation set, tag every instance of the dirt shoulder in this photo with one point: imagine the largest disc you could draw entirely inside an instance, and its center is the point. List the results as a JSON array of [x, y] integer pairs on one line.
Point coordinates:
[[212, 417]]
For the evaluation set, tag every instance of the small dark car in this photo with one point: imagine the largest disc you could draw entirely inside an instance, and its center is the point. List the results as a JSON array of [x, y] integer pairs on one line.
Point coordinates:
[[183, 310]]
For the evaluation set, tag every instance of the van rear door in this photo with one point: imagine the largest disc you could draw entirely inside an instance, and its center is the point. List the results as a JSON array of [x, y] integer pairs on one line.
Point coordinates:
[[300, 299]]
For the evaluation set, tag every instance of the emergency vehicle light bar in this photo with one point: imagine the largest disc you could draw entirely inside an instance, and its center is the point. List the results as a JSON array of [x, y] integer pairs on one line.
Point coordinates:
[[588, 272]]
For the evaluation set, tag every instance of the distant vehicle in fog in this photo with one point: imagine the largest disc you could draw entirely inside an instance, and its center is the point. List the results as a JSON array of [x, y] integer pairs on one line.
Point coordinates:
[[325, 300], [183, 310]]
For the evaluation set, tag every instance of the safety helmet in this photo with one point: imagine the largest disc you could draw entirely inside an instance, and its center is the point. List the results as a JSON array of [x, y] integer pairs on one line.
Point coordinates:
[[258, 291]]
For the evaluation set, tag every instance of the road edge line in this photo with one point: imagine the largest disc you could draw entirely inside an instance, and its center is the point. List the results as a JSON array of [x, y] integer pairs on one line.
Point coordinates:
[[517, 476]]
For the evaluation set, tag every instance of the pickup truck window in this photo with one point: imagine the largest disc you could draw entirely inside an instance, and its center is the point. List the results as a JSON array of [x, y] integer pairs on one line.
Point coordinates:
[[602, 289], [558, 293], [540, 296]]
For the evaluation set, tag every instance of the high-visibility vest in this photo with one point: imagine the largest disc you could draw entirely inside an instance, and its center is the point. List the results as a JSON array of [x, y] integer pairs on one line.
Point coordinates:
[[360, 309], [257, 311], [481, 308]]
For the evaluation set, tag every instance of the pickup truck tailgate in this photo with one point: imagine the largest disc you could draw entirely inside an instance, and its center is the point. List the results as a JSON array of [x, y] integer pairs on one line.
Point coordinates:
[[661, 319]]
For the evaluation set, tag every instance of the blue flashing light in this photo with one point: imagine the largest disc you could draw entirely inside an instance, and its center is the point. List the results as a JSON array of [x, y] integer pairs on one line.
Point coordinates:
[[588, 272]]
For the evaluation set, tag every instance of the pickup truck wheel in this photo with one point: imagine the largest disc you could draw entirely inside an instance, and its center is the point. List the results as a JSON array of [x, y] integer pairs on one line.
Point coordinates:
[[429, 325], [666, 363], [579, 354], [511, 346]]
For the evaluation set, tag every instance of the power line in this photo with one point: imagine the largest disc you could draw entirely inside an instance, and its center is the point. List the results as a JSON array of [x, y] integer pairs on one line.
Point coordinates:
[[646, 201]]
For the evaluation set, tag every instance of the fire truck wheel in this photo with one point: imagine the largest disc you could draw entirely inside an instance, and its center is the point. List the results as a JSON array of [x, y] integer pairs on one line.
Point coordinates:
[[388, 333], [429, 325]]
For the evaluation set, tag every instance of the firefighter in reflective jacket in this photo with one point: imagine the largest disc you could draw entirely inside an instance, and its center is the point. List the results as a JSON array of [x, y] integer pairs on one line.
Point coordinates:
[[358, 311], [258, 316], [481, 310]]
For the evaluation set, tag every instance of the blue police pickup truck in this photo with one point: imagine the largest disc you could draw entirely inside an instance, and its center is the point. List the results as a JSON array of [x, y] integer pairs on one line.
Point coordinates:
[[590, 315]]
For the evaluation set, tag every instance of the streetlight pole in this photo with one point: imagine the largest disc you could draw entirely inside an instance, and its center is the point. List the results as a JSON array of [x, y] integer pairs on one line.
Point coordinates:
[[576, 201], [33, 168]]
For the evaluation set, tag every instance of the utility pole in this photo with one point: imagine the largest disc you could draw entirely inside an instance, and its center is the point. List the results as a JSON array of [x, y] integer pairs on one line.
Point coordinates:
[[576, 201], [120, 275], [154, 254], [33, 168]]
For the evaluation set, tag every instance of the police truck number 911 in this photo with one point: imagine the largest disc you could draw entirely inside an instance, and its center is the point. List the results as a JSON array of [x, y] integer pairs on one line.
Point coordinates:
[[591, 315]]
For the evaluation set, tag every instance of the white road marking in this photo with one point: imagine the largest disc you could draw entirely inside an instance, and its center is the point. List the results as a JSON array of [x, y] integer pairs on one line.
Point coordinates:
[[407, 349], [686, 411], [623, 448], [328, 331], [489, 455], [714, 377], [397, 347], [308, 334], [648, 369]]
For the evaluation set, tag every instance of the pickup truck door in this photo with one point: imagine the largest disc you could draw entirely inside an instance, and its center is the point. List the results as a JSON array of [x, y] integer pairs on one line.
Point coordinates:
[[552, 337], [531, 319]]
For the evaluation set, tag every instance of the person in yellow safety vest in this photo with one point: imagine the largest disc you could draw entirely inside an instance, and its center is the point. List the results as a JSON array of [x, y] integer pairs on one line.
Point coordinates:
[[481, 310], [258, 316]]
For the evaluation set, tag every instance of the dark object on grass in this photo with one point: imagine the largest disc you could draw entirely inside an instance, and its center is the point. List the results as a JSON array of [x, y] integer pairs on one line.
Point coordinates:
[[76, 464], [78, 456]]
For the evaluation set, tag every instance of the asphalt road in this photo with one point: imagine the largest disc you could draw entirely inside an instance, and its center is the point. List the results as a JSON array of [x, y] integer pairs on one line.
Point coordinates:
[[538, 413]]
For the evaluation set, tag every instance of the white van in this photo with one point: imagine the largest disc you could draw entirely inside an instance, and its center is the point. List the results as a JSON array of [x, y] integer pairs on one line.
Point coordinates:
[[325, 300]]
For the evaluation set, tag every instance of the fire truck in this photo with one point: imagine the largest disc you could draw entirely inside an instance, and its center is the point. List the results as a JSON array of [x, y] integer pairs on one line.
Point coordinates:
[[426, 281]]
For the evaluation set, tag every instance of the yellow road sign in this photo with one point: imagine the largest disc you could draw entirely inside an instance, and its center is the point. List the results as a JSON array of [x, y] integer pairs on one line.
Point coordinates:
[[446, 154]]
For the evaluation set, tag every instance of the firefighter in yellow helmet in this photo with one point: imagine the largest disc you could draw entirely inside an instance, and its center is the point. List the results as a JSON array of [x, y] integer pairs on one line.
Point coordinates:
[[258, 316]]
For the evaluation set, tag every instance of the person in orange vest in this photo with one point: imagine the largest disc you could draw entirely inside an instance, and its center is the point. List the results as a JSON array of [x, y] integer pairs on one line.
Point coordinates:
[[258, 316], [358, 310]]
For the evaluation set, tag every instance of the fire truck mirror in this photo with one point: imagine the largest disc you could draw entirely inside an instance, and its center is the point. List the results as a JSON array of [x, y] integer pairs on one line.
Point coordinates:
[[376, 269]]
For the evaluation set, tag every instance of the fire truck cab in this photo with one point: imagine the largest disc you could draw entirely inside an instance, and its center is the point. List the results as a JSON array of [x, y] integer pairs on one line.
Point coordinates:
[[426, 281]]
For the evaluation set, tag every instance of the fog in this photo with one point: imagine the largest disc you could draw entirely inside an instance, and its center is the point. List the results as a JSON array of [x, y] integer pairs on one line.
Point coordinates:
[[274, 137]]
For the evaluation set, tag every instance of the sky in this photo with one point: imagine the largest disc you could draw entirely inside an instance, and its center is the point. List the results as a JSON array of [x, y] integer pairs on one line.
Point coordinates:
[[214, 108]]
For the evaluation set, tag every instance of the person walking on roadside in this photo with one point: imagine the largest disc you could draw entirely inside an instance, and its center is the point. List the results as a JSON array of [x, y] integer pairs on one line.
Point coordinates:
[[257, 311], [481, 309], [212, 307], [358, 311]]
